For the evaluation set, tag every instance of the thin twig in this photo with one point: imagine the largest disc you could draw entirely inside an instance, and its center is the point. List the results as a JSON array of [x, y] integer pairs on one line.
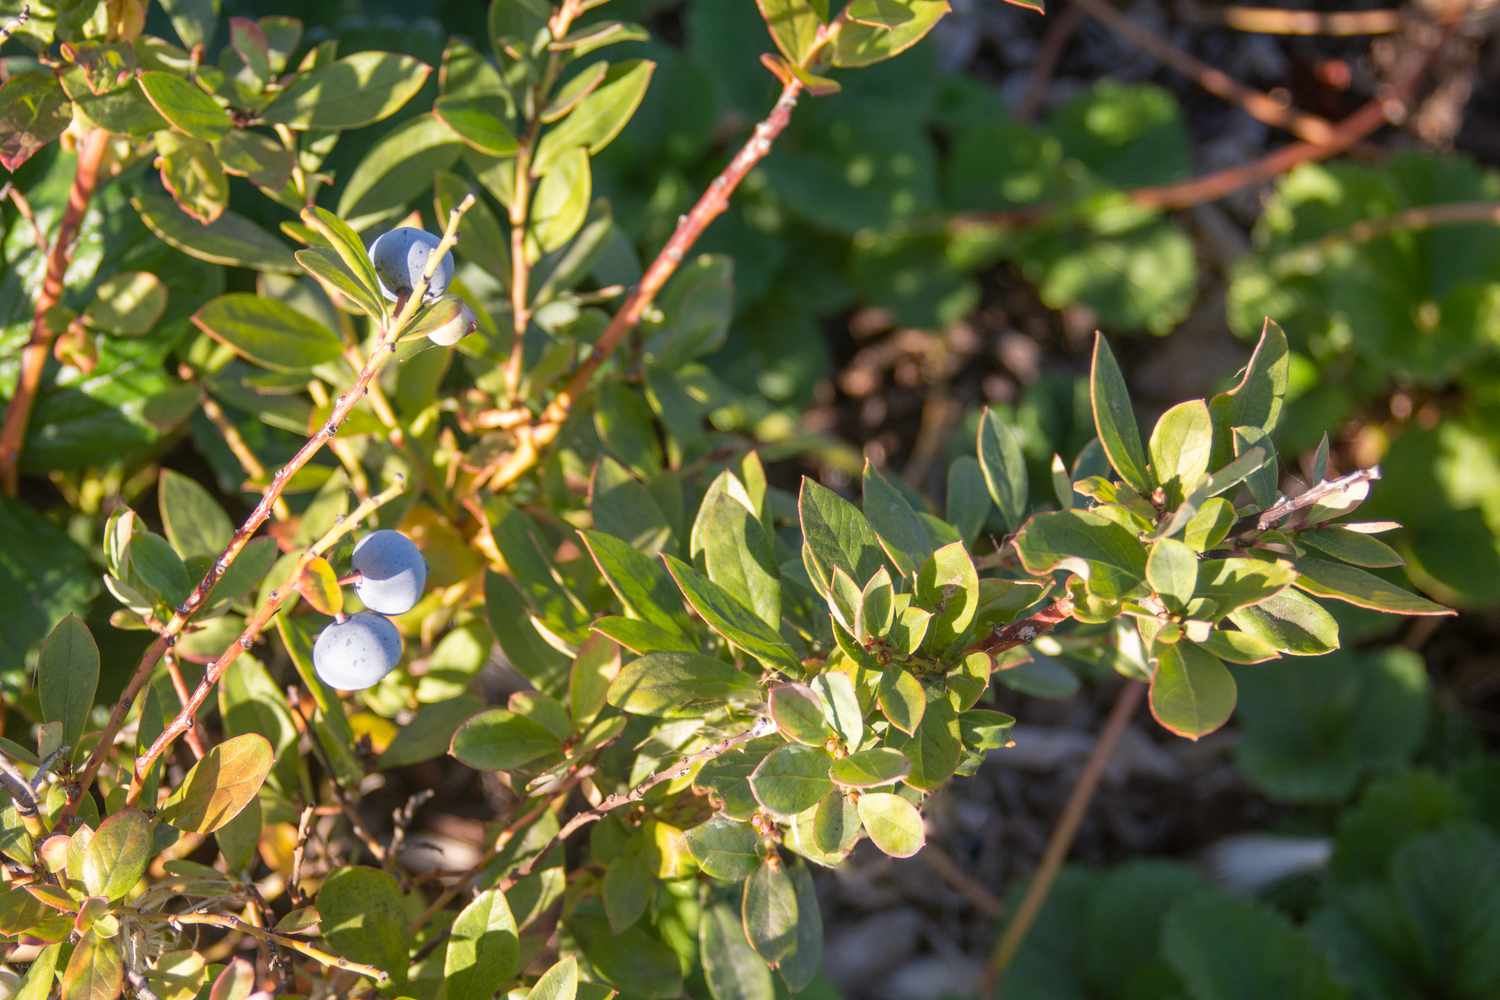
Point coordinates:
[[91, 154], [183, 721], [1271, 21], [1026, 630], [227, 922], [763, 726], [1258, 105], [713, 202], [240, 449], [1060, 31], [24, 207], [194, 735], [1061, 839], [952, 872], [343, 405], [1384, 108], [15, 23]]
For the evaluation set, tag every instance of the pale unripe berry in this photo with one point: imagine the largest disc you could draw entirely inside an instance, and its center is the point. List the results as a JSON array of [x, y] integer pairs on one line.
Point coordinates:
[[455, 329], [391, 572], [357, 652], [400, 256]]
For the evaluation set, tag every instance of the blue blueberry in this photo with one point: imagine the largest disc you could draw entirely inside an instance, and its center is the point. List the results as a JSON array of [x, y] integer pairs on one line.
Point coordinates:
[[391, 572], [357, 652], [400, 256]]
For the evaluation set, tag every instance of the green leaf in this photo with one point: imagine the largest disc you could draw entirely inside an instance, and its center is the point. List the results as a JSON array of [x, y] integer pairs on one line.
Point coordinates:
[[561, 204], [835, 536], [117, 854], [67, 677], [731, 967], [1172, 571], [1114, 419], [1232, 949], [1290, 622], [1239, 647], [1004, 467], [1366, 590], [1310, 732], [802, 966], [397, 169], [95, 971], [1180, 447], [184, 106], [840, 706], [1239, 582], [968, 500], [791, 779], [231, 239], [697, 306], [634, 960], [1210, 525], [345, 242], [1257, 399], [195, 523], [948, 584], [768, 910], [793, 25], [642, 584], [1101, 551], [724, 848], [363, 918], [357, 90], [870, 768], [902, 699], [484, 951], [324, 264], [599, 117], [1192, 693], [500, 740], [737, 551], [679, 684], [33, 111], [935, 749], [128, 303], [558, 983], [908, 538], [268, 332], [731, 619], [1350, 546], [220, 784], [799, 714], [627, 887], [863, 44], [430, 732], [40, 975], [894, 824], [475, 121], [877, 606], [153, 562]]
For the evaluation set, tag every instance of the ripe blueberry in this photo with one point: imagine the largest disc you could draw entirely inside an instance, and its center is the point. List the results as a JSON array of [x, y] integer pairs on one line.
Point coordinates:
[[391, 572], [400, 256], [357, 652]]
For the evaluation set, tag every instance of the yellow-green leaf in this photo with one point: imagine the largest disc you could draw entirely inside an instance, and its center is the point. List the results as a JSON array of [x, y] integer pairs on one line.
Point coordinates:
[[220, 784]]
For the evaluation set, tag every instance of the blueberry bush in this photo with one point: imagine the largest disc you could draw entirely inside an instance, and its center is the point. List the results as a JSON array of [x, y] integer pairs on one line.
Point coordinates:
[[394, 313]]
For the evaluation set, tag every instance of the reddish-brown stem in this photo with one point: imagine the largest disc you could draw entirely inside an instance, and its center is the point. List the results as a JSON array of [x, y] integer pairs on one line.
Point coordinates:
[[91, 154], [183, 721], [1378, 111], [1061, 839], [713, 202], [1260, 106], [1026, 630], [194, 735], [384, 350]]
